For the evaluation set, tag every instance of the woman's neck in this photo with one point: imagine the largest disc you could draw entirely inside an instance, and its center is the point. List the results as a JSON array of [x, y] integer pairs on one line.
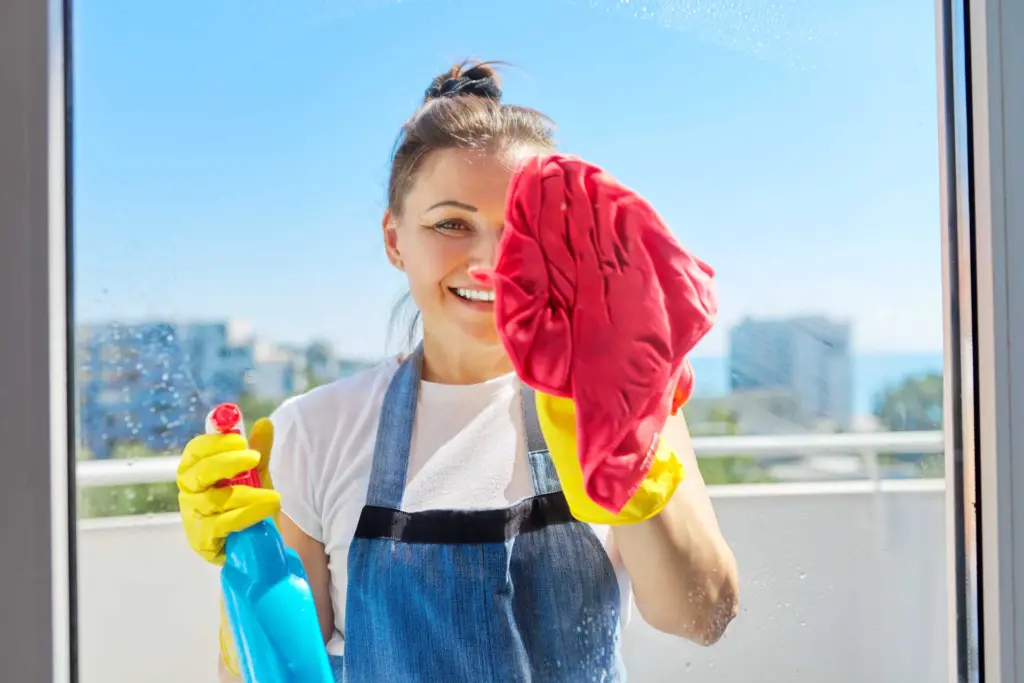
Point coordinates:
[[462, 361]]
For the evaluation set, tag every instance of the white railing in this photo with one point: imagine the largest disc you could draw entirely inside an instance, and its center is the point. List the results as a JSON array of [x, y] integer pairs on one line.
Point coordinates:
[[867, 446], [841, 582]]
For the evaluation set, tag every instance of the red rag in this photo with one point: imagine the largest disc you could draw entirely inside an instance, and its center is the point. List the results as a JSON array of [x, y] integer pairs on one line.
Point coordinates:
[[598, 302]]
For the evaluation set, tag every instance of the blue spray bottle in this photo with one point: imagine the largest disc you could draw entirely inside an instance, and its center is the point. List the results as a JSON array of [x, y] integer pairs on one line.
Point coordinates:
[[266, 594]]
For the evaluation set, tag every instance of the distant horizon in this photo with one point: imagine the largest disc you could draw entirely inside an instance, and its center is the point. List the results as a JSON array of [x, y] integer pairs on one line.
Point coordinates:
[[872, 374], [256, 333], [873, 371]]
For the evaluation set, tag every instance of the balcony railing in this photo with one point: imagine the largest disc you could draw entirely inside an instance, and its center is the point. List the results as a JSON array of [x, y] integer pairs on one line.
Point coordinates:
[[866, 446], [841, 581]]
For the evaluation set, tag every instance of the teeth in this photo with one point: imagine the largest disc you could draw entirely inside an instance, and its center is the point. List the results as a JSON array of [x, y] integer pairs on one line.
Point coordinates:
[[475, 294]]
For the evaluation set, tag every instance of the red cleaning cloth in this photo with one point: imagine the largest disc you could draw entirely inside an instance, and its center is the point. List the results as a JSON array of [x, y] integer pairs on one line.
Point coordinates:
[[595, 300]]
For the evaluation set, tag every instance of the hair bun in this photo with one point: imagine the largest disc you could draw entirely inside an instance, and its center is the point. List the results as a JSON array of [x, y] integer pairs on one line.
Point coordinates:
[[479, 80]]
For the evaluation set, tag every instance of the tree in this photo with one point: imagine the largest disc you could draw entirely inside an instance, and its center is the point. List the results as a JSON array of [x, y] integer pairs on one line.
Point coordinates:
[[915, 404], [724, 469]]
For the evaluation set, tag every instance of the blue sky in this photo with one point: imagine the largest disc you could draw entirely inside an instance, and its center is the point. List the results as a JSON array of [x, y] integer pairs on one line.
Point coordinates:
[[230, 156]]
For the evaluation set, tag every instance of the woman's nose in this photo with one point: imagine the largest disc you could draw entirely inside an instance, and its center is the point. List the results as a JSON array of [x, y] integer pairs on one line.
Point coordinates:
[[483, 275], [485, 252]]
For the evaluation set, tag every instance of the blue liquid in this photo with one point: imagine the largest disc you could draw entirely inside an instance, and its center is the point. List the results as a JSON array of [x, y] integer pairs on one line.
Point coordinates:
[[270, 606]]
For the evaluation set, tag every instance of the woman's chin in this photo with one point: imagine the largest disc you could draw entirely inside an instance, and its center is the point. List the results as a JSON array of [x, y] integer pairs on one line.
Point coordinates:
[[473, 323], [483, 332], [478, 328]]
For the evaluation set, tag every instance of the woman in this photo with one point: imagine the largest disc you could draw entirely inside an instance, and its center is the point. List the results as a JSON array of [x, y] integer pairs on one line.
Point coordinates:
[[454, 595]]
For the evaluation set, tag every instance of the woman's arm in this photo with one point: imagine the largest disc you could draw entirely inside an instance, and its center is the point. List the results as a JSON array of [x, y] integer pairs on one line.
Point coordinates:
[[683, 573], [314, 561]]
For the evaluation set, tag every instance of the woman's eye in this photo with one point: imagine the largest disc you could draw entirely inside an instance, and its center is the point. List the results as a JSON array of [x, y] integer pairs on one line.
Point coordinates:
[[450, 226]]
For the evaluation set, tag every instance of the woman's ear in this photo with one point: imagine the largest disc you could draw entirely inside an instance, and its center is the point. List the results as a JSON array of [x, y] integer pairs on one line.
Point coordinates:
[[390, 226]]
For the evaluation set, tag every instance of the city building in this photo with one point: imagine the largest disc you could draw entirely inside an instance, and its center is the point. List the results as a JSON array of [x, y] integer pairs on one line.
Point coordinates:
[[808, 357], [151, 383], [321, 361], [276, 371]]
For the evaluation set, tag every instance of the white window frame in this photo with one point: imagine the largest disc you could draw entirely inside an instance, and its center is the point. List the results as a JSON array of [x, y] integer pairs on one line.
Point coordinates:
[[995, 71], [981, 248], [36, 551]]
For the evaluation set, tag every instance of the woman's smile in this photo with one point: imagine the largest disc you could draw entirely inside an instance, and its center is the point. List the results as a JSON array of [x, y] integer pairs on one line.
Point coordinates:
[[477, 298]]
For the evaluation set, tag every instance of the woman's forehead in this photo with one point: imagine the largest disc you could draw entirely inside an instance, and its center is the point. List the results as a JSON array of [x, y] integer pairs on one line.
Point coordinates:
[[464, 175]]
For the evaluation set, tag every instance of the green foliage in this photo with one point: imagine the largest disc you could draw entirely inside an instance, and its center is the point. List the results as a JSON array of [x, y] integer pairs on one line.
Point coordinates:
[[133, 499], [130, 499], [725, 469], [915, 404], [733, 469]]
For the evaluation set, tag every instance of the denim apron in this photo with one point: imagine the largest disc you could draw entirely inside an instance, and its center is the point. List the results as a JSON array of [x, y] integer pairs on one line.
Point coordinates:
[[524, 594]]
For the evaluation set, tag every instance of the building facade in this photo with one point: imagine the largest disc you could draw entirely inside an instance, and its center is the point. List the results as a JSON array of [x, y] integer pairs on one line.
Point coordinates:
[[152, 383], [809, 358]]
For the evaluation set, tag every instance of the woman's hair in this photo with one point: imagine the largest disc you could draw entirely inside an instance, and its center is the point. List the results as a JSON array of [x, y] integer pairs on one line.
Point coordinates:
[[462, 109]]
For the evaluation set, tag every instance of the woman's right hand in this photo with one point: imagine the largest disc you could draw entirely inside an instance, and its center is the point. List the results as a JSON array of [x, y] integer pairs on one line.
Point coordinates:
[[208, 512]]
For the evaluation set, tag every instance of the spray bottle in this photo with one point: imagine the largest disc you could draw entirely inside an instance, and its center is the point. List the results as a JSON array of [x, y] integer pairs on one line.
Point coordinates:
[[266, 593]]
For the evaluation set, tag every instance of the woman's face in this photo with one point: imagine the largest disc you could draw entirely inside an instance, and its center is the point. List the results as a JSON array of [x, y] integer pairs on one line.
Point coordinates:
[[451, 221]]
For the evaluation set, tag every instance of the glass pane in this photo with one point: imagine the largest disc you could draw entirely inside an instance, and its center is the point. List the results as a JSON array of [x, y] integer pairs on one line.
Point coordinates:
[[231, 179]]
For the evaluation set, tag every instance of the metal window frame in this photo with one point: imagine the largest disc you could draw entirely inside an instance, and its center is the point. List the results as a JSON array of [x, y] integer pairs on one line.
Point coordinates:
[[981, 96], [37, 560], [958, 333], [994, 232]]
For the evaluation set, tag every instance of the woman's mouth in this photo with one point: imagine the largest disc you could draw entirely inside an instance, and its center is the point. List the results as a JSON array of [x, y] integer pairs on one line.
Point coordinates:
[[476, 297]]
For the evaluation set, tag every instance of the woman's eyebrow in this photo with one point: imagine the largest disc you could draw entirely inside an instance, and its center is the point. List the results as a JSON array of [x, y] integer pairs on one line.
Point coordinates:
[[452, 202]]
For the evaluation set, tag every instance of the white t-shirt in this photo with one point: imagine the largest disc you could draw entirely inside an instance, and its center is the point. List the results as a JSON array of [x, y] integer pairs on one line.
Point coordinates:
[[468, 452]]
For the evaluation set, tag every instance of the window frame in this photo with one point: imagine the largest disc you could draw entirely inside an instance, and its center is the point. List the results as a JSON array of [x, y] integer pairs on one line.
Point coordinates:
[[36, 492], [991, 240]]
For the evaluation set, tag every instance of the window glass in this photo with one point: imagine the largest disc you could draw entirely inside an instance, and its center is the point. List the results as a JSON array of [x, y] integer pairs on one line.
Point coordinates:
[[231, 168]]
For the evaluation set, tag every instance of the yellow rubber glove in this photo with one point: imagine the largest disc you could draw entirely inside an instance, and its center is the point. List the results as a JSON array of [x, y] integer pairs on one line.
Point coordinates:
[[557, 417], [210, 513]]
